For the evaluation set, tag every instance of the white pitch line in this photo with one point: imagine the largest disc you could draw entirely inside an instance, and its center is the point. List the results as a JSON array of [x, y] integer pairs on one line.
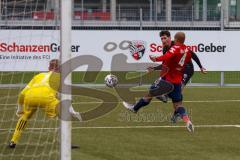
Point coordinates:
[[129, 127], [206, 101], [134, 127]]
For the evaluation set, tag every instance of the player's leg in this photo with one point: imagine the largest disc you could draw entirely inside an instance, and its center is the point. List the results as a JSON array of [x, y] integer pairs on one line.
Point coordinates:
[[179, 109], [163, 98], [175, 116], [21, 125], [187, 75], [52, 108], [159, 87], [141, 103], [175, 96]]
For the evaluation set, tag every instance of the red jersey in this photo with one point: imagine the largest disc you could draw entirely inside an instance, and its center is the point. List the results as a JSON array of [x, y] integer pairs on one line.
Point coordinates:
[[175, 60]]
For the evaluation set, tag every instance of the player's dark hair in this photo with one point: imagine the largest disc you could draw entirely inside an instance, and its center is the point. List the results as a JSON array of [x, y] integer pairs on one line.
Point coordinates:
[[165, 33]]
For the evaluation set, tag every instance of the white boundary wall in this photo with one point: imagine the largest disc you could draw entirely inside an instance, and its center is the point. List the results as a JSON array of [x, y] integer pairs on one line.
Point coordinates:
[[31, 50]]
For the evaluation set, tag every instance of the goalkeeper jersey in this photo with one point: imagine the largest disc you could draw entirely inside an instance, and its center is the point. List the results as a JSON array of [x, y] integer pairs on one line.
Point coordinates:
[[46, 84]]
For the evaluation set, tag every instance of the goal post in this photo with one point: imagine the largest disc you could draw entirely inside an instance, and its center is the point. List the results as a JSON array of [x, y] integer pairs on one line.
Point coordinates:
[[65, 41]]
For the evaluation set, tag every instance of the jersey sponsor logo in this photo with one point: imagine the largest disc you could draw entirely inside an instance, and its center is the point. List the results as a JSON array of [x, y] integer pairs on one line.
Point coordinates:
[[137, 49]]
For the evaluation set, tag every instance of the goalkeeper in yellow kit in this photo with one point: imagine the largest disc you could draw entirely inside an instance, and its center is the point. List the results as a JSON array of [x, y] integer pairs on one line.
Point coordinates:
[[41, 92]]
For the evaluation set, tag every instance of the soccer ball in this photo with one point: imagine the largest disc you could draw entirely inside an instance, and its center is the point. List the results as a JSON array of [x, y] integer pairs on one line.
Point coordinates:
[[111, 80]]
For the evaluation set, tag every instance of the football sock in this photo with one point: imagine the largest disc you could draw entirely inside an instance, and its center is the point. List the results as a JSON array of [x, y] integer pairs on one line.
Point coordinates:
[[185, 118], [181, 110], [141, 103], [21, 125]]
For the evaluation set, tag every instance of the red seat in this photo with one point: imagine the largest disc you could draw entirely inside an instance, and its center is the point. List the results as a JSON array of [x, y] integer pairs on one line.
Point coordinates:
[[41, 15]]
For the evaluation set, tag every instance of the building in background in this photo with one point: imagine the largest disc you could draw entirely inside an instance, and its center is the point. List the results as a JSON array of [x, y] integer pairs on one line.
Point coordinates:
[[221, 14]]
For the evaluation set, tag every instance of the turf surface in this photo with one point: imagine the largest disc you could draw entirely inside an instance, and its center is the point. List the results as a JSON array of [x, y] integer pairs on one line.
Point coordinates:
[[155, 137]]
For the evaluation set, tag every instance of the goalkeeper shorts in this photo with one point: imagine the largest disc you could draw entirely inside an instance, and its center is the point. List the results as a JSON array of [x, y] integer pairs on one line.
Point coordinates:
[[48, 104]]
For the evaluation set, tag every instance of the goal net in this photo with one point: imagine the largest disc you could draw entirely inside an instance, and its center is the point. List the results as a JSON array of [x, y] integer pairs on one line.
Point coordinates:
[[30, 38]]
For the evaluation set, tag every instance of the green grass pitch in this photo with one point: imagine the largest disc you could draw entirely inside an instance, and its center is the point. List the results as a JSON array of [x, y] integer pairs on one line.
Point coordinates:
[[121, 135]]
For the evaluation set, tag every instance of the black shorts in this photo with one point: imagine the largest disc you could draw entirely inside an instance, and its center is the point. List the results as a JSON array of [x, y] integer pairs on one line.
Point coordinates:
[[187, 75]]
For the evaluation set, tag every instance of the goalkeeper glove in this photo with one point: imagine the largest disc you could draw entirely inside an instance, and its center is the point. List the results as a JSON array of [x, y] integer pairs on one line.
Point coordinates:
[[19, 111], [75, 114]]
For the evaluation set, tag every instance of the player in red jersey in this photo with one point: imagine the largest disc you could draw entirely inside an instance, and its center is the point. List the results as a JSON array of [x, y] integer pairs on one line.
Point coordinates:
[[175, 60], [167, 43]]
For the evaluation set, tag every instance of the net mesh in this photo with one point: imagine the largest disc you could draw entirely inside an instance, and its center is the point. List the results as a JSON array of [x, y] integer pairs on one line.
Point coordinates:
[[40, 138]]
